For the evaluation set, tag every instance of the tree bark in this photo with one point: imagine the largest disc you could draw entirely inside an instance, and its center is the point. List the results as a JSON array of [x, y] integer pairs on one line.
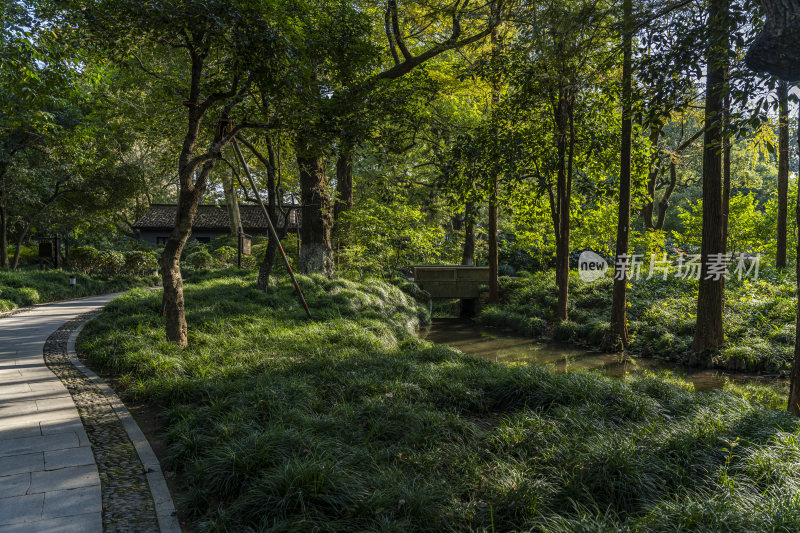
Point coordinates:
[[468, 254], [726, 168], [232, 203], [663, 204], [494, 286], [3, 236], [171, 279], [344, 183], [316, 254], [191, 187], [783, 172], [273, 208], [564, 148], [776, 50], [794, 383], [652, 176], [618, 336], [18, 246], [494, 283], [709, 335], [3, 218]]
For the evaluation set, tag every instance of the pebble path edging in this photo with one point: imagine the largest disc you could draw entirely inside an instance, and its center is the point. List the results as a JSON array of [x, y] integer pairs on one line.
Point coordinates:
[[128, 503]]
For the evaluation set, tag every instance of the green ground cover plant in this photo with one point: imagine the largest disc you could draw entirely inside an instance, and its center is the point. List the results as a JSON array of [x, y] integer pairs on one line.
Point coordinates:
[[19, 288], [350, 422], [758, 316]]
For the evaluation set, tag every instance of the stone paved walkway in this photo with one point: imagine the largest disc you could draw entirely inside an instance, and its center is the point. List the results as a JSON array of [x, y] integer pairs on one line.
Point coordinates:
[[48, 474]]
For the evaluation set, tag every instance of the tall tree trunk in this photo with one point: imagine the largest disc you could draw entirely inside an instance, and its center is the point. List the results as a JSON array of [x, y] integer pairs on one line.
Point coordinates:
[[3, 218], [564, 143], [468, 255], [171, 279], [776, 49], [3, 236], [783, 172], [273, 208], [193, 174], [726, 171], [618, 336], [18, 246], [708, 331], [494, 284], [344, 183], [652, 174], [232, 204], [3, 215], [794, 384], [316, 254]]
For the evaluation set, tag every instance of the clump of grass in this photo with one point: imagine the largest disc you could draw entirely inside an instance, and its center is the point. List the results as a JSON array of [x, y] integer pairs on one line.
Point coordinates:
[[758, 316], [349, 422], [29, 287]]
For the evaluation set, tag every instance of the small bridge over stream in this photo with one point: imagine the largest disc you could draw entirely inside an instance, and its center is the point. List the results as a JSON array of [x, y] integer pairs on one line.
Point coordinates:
[[453, 281]]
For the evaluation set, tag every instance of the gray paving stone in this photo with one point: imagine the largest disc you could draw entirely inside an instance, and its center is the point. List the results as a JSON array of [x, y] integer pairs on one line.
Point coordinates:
[[9, 387], [48, 385], [18, 408], [65, 478], [50, 480], [30, 395], [72, 502], [85, 523], [56, 459], [58, 403], [15, 485], [17, 464], [61, 425], [22, 427], [20, 509], [41, 443]]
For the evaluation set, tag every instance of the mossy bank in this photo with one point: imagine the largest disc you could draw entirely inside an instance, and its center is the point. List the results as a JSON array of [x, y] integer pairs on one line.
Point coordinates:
[[349, 422], [29, 287], [758, 316]]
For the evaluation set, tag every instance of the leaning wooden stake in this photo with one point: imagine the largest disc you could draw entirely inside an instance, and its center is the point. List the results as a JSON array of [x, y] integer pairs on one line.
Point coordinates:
[[272, 231]]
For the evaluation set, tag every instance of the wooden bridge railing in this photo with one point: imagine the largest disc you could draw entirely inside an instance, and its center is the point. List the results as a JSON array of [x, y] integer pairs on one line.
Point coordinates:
[[451, 281]]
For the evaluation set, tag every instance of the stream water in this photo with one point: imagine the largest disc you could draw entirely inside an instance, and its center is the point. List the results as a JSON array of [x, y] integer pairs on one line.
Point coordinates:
[[500, 347]]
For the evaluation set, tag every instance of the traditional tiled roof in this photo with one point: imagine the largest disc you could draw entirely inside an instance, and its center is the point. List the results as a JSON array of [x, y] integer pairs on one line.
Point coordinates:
[[161, 217]]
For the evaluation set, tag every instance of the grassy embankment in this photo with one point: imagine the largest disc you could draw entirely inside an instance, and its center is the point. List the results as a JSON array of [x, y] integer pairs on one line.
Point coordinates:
[[29, 287], [350, 422], [758, 316]]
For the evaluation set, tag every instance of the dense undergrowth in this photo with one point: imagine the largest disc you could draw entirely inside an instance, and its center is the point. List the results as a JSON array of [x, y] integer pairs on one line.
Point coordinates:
[[758, 316], [28, 287], [349, 422]]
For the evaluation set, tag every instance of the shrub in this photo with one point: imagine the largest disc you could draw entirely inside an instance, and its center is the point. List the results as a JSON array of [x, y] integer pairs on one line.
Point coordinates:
[[200, 259], [191, 247], [7, 305], [223, 241], [28, 255], [414, 290], [506, 270], [225, 255], [112, 262], [85, 259], [564, 330], [497, 317], [139, 262], [20, 296]]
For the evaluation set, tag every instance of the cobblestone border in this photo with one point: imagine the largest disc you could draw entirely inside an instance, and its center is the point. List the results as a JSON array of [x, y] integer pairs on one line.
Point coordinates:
[[134, 492]]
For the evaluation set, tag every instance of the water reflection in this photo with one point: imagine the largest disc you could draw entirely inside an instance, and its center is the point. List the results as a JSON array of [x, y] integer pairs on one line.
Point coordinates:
[[561, 357]]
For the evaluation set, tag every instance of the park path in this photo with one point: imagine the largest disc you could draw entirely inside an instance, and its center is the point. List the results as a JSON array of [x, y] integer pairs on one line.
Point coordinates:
[[49, 447]]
